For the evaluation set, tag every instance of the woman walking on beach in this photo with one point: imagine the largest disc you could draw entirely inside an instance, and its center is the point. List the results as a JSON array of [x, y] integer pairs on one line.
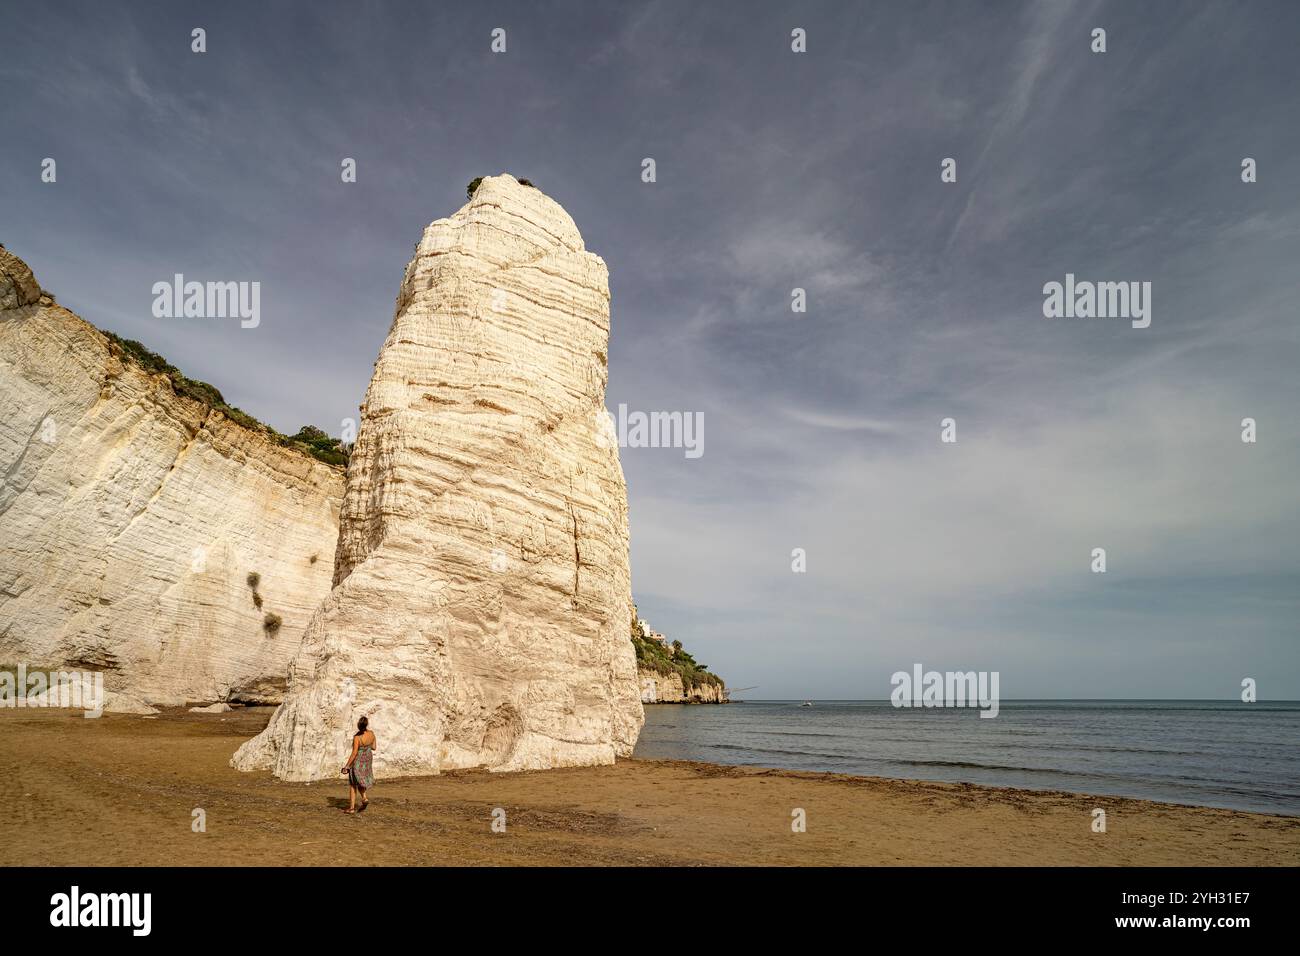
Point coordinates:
[[360, 767]]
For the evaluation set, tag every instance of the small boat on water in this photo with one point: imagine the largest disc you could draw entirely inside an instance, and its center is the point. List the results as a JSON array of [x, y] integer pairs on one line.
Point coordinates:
[[806, 703]]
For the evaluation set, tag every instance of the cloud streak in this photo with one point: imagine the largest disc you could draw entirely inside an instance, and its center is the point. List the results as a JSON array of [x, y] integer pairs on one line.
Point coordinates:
[[776, 171]]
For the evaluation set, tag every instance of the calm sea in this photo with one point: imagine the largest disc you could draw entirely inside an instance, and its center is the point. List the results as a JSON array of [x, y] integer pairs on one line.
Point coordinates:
[[1212, 753]]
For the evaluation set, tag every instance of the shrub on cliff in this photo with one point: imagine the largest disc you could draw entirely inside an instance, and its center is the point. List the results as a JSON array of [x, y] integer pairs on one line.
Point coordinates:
[[242, 418], [311, 434], [271, 623], [654, 657], [150, 361], [201, 392], [478, 181], [254, 579], [318, 444]]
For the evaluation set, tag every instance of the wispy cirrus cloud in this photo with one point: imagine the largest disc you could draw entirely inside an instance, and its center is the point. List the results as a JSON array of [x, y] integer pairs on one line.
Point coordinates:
[[775, 171]]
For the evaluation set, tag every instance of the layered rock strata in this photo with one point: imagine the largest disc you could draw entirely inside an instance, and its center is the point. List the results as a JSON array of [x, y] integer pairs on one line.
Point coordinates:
[[670, 689], [481, 584], [131, 518]]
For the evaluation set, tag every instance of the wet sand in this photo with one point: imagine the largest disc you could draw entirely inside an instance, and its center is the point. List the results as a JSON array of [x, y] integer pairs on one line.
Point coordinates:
[[121, 790]]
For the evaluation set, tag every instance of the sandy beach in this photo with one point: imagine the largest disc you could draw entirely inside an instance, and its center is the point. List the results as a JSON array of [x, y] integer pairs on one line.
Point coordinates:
[[122, 790]]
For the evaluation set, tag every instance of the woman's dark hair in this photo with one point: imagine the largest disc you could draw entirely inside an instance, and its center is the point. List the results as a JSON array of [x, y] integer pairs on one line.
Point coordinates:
[[362, 724]]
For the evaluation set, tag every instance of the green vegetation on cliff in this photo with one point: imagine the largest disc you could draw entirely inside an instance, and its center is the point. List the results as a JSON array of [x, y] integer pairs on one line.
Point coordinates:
[[309, 440], [474, 183], [319, 444], [655, 657]]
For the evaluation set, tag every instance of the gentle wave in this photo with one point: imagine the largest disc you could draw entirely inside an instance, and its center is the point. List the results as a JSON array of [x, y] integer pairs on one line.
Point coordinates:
[[1212, 753]]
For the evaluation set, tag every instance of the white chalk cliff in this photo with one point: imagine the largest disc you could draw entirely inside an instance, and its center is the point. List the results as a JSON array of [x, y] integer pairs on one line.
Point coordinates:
[[131, 517], [481, 598], [671, 689]]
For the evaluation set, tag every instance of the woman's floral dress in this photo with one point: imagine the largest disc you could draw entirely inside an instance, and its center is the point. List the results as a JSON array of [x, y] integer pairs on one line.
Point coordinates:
[[362, 773]]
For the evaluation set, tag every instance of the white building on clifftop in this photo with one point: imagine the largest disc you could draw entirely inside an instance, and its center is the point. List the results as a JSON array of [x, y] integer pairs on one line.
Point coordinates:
[[653, 635]]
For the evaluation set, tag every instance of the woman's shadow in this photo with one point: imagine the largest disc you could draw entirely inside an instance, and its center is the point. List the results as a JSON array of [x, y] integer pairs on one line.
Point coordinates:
[[341, 803]]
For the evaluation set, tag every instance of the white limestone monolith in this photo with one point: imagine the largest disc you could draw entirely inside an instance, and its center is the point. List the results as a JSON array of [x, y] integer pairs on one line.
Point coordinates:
[[479, 615]]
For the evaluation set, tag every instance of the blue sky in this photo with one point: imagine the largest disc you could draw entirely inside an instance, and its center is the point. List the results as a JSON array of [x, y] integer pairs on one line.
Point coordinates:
[[775, 170]]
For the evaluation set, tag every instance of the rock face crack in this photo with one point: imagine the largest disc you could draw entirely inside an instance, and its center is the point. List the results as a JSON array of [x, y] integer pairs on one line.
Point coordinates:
[[577, 553], [479, 427]]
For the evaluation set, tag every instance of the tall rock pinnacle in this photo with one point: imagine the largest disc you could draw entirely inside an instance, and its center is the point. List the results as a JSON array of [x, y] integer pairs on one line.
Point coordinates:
[[481, 599]]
